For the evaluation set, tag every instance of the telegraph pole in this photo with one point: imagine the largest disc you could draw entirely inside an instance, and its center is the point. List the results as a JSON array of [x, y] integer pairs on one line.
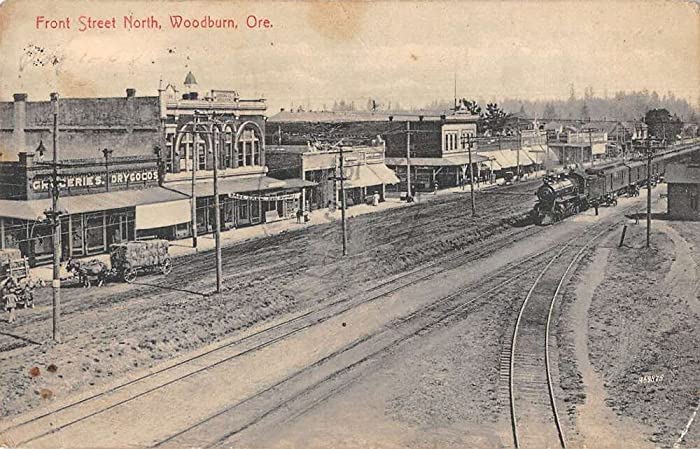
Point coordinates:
[[195, 160], [342, 203], [408, 159], [467, 139], [217, 211], [54, 215], [517, 157], [649, 158]]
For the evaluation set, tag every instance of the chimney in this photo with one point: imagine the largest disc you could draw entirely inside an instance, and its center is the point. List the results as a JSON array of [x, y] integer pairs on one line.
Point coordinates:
[[130, 92], [19, 123]]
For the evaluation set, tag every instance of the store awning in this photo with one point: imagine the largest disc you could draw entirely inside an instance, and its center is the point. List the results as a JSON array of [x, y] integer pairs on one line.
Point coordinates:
[[240, 185], [158, 215], [507, 158], [34, 209], [384, 174], [369, 175]]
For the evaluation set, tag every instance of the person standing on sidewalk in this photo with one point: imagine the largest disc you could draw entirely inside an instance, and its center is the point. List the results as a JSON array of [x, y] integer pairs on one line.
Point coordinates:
[[300, 214], [10, 298]]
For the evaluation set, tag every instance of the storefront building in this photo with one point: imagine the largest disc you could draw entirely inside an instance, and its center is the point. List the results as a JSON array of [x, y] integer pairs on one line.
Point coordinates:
[[363, 169], [437, 153], [127, 167]]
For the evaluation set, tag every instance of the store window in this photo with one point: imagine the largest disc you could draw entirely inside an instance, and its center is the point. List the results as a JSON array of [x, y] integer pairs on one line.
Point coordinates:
[[14, 232], [76, 235], [95, 232]]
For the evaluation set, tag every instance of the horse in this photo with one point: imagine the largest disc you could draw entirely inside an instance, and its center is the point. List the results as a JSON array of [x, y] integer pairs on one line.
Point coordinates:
[[86, 271]]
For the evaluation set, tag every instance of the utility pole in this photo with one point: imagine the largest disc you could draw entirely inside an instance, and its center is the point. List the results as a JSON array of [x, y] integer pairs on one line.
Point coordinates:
[[56, 222], [466, 138], [517, 157], [342, 202], [195, 160], [216, 145], [649, 159], [107, 153], [341, 177], [590, 142], [408, 159]]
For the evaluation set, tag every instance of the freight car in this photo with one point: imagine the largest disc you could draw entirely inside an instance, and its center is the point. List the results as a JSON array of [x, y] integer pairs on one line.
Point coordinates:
[[570, 193]]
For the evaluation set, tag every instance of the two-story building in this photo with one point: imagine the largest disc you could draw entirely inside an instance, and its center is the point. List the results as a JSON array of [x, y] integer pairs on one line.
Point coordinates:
[[572, 145], [128, 166]]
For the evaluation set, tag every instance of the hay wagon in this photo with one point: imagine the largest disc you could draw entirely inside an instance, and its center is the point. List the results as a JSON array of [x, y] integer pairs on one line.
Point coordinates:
[[15, 278], [128, 259]]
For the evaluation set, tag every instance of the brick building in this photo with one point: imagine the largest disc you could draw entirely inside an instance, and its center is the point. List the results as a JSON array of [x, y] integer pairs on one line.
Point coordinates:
[[142, 184]]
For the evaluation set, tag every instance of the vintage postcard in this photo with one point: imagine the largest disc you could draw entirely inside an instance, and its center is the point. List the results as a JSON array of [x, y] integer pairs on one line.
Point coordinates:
[[349, 224]]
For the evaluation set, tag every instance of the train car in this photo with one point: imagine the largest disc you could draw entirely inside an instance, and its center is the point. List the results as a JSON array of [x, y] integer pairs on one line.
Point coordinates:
[[569, 193]]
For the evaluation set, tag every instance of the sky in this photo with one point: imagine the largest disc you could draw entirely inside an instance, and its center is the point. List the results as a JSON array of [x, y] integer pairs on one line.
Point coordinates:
[[316, 52]]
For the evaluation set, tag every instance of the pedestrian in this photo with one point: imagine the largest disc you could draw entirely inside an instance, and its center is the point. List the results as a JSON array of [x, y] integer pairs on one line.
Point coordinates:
[[375, 199], [300, 213], [10, 298], [435, 187], [595, 205]]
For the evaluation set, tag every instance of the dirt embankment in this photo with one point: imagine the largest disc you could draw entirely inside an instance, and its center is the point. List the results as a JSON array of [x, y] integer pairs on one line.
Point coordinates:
[[119, 328], [643, 337]]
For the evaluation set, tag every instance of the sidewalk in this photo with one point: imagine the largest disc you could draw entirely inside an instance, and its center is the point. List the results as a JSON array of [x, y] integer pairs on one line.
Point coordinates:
[[206, 242]]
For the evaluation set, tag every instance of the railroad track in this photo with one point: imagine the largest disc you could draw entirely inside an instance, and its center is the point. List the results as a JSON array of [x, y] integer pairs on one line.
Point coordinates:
[[535, 420], [413, 324], [304, 389], [261, 339]]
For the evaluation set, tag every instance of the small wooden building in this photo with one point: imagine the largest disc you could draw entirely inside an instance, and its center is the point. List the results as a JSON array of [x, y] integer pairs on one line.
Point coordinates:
[[683, 191]]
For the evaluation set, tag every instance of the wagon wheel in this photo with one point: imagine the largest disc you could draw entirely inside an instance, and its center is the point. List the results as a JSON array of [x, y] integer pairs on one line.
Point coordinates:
[[129, 274], [167, 266]]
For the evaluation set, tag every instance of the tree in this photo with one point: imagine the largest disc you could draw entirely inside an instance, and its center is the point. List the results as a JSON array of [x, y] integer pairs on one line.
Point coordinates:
[[549, 111], [494, 119], [663, 125], [470, 106], [585, 113]]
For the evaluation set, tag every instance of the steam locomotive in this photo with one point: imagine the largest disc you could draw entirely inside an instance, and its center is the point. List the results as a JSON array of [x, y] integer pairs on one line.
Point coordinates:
[[570, 193]]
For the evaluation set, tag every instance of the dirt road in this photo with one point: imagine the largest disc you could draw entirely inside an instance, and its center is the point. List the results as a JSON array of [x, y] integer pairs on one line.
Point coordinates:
[[410, 362]]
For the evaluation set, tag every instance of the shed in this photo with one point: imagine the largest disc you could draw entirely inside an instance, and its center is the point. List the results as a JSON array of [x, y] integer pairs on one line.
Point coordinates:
[[683, 191]]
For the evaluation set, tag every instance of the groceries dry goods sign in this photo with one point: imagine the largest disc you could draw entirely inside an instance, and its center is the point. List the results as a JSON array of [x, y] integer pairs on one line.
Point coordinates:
[[88, 180]]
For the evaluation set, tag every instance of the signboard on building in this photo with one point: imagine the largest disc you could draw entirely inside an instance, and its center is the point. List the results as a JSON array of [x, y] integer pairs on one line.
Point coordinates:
[[225, 95], [42, 183]]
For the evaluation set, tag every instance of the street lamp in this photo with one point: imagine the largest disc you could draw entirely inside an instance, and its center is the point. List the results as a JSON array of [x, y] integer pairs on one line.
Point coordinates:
[[107, 153]]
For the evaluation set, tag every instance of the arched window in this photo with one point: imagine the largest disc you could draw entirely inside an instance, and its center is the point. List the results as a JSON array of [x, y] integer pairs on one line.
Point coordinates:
[[192, 148], [249, 148], [229, 149]]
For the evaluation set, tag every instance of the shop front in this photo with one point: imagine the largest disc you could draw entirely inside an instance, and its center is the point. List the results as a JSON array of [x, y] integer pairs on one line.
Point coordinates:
[[245, 201], [91, 223]]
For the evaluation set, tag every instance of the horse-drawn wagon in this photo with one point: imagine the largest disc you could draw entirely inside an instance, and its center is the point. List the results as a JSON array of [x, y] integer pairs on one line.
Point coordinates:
[[148, 255], [16, 284]]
